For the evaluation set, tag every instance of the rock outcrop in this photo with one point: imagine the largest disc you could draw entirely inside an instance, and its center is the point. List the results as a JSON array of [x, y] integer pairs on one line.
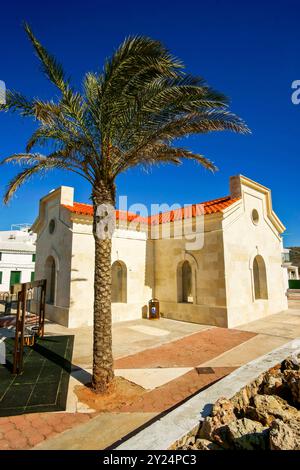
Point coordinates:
[[214, 426], [292, 378], [263, 415], [266, 408], [285, 436], [201, 444], [246, 434]]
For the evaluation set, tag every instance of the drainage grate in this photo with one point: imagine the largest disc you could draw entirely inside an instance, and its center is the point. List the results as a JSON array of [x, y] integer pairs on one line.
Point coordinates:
[[204, 370]]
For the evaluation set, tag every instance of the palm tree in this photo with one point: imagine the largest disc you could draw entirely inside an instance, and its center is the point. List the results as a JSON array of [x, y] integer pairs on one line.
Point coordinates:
[[128, 115]]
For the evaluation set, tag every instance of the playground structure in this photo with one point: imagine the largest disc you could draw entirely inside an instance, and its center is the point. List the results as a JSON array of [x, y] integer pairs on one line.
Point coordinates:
[[27, 331]]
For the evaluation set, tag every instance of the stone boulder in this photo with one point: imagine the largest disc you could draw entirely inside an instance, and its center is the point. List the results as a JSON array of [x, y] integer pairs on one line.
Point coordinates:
[[204, 444], [292, 362], [245, 434], [213, 426], [292, 378], [193, 443], [242, 399], [223, 410], [285, 436], [267, 408], [273, 382], [186, 443]]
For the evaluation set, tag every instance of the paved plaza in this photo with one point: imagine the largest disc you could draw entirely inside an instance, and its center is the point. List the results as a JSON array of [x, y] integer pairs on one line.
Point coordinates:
[[169, 360]]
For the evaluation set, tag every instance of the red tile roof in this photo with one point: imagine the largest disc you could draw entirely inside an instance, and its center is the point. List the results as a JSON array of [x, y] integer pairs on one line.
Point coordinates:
[[87, 209], [207, 207]]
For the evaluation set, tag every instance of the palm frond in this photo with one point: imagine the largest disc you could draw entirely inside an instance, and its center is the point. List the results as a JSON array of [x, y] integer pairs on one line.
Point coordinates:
[[47, 112], [130, 114], [15, 101], [52, 69], [24, 175], [158, 152], [21, 158]]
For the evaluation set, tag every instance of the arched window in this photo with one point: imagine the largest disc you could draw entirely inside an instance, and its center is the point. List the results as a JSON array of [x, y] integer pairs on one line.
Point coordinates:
[[119, 282], [184, 282], [260, 278], [50, 274]]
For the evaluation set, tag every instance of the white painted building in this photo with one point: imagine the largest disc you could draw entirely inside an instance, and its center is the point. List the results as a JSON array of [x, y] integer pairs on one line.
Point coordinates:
[[235, 277], [291, 271], [17, 257]]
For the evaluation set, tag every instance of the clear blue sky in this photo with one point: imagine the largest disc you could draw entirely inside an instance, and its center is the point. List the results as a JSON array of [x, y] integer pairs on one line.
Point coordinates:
[[249, 50]]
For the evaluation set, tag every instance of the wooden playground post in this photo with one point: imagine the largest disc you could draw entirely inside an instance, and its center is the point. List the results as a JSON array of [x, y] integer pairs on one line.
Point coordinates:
[[21, 317], [42, 303], [17, 335]]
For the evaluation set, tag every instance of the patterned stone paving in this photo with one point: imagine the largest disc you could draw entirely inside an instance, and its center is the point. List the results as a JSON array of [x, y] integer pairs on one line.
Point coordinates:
[[190, 351], [173, 393], [26, 431]]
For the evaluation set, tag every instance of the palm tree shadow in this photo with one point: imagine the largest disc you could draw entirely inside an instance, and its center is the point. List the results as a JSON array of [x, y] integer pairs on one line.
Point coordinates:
[[73, 370], [54, 357]]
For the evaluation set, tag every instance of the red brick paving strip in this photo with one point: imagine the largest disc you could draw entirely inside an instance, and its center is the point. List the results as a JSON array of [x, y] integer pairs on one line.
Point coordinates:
[[190, 351], [172, 393], [26, 431]]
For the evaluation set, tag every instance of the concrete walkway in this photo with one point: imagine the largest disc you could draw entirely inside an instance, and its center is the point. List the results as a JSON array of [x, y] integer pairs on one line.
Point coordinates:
[[128, 337], [98, 432], [171, 360], [185, 418], [272, 332]]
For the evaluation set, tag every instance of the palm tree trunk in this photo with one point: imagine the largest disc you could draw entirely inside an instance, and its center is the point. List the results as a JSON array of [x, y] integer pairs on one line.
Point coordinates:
[[103, 202]]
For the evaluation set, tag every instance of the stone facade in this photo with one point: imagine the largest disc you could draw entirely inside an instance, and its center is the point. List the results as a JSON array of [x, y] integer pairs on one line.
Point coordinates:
[[244, 239], [235, 272]]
